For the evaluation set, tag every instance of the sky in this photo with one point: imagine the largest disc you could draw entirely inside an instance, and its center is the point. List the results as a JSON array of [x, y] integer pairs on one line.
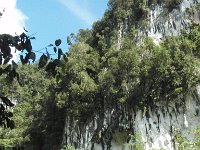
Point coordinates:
[[48, 20], [12, 20]]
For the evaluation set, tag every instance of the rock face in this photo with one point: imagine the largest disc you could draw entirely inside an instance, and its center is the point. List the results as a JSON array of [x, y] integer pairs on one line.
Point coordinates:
[[156, 124], [158, 128], [169, 23]]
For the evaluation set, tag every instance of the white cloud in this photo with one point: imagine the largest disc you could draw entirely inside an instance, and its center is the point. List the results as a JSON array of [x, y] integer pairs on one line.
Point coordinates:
[[78, 8], [13, 20]]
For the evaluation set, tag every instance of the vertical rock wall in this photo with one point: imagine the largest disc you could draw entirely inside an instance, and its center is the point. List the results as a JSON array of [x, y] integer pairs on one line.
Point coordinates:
[[164, 23], [158, 128], [156, 124]]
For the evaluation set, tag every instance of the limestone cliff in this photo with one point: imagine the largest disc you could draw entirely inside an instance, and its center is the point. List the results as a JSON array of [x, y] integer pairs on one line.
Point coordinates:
[[156, 123]]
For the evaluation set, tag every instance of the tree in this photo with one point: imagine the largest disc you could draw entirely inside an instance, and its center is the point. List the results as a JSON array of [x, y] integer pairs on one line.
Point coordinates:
[[34, 111], [97, 77], [20, 43]]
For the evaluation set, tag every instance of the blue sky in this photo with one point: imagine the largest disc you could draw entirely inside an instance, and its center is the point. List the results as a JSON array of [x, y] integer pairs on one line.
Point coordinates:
[[53, 19]]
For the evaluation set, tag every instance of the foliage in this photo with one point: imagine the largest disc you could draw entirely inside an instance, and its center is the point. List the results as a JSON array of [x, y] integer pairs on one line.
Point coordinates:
[[78, 80], [137, 142], [172, 4], [20, 43], [99, 73], [97, 78], [182, 143], [30, 98], [68, 148], [120, 137], [28, 92], [82, 36]]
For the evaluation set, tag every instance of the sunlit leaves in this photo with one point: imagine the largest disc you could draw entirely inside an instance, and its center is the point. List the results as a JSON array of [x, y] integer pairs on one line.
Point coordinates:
[[77, 74], [29, 95]]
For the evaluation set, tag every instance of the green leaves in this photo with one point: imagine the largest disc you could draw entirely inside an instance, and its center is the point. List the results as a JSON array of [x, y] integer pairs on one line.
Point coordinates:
[[5, 115], [51, 66], [97, 74], [58, 42], [171, 4], [43, 61], [10, 123], [32, 56]]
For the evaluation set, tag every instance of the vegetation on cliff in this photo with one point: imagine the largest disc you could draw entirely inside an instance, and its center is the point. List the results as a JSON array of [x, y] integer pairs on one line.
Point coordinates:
[[106, 68]]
